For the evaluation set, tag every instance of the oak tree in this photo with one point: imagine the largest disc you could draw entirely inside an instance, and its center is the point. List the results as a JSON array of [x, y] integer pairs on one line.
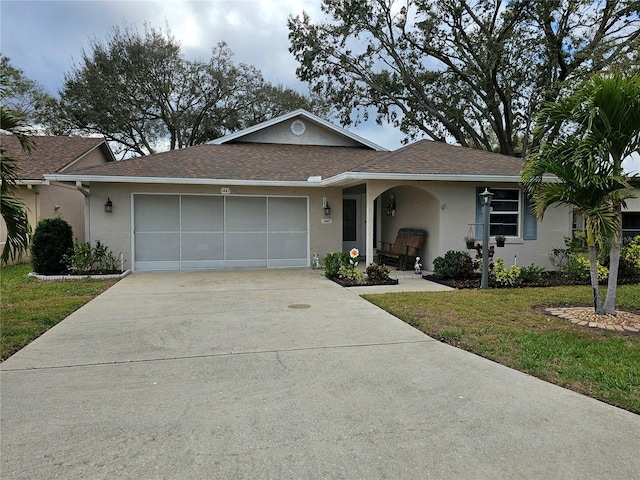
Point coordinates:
[[473, 72]]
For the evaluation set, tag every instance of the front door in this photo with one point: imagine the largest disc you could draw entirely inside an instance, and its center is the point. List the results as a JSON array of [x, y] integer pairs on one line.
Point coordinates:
[[353, 224]]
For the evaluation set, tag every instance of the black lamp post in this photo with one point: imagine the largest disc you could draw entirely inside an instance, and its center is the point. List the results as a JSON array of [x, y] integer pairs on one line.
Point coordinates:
[[485, 200]]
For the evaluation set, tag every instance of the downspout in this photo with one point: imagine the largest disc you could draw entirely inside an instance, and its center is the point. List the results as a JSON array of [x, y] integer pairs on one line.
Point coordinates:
[[36, 198], [87, 210]]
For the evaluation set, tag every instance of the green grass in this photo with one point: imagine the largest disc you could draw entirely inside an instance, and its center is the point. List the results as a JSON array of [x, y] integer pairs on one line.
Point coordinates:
[[507, 326], [30, 307]]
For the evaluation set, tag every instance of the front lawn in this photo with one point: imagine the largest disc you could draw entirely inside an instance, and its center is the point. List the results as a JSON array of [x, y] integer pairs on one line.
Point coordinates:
[[30, 307], [508, 327]]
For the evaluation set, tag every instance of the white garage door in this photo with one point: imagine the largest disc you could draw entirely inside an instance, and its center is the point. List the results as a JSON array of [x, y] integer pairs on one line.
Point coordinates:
[[190, 232]]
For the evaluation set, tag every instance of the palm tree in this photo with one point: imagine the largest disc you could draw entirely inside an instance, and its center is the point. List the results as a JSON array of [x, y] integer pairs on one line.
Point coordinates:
[[12, 208], [601, 127]]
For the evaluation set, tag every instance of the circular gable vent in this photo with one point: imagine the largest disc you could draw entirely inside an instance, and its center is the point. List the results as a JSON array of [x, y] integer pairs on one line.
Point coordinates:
[[298, 127]]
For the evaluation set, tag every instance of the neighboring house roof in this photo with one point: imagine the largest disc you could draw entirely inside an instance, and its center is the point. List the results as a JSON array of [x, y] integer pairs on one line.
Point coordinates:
[[51, 154], [303, 115]]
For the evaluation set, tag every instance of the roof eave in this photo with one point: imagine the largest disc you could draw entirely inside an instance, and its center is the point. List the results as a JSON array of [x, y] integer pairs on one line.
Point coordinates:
[[351, 176], [32, 182], [181, 181], [335, 181]]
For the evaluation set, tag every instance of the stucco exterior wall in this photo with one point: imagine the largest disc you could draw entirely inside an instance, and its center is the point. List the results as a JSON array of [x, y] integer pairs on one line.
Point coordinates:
[[50, 201], [443, 209], [30, 199], [313, 135], [66, 201], [114, 229], [95, 157], [633, 204], [446, 210]]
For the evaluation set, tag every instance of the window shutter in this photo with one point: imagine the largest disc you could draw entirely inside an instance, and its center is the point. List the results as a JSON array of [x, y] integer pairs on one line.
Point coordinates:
[[530, 224], [479, 220]]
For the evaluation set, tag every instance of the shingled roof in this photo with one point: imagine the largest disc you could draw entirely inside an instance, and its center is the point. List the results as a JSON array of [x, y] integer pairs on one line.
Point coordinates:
[[425, 157], [261, 162], [246, 161], [49, 155]]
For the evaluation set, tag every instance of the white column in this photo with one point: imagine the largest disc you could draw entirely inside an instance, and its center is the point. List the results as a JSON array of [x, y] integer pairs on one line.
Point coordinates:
[[370, 249]]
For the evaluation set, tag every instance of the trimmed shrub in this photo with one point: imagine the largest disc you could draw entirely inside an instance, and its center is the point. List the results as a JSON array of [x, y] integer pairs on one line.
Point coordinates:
[[84, 259], [630, 258], [532, 273], [504, 277], [456, 265], [333, 262], [52, 240], [577, 268]]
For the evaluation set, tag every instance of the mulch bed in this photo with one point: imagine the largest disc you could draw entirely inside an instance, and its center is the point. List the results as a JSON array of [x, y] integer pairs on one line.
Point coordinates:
[[345, 282], [548, 279]]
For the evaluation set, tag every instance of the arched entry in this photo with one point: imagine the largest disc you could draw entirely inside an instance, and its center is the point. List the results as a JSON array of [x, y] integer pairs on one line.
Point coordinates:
[[407, 206]]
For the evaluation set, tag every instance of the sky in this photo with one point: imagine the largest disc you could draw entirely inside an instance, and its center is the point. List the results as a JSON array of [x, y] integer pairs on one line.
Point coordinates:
[[46, 38]]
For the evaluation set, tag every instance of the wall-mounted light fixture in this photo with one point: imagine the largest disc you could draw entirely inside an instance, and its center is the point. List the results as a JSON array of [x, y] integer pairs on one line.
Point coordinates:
[[391, 205], [108, 207], [325, 206]]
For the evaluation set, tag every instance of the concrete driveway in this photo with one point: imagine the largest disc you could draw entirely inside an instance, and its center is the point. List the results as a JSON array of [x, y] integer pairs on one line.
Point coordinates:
[[284, 375]]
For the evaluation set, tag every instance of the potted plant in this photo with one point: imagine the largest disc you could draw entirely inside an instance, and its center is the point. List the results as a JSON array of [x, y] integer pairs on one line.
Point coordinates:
[[470, 241], [500, 240]]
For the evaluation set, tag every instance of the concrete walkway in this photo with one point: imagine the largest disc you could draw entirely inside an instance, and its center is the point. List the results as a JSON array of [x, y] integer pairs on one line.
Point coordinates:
[[284, 375]]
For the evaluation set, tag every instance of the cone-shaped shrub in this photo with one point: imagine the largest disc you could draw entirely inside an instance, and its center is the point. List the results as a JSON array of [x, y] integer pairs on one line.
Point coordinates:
[[52, 240]]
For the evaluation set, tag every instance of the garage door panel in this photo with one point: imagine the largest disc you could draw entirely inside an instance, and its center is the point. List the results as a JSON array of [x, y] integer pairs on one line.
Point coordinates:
[[246, 214], [202, 265], [191, 232], [202, 246], [246, 246], [202, 213], [157, 246], [288, 245], [287, 214], [157, 213]]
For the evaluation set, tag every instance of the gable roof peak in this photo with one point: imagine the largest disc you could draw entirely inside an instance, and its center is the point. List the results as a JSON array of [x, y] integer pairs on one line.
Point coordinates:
[[300, 114]]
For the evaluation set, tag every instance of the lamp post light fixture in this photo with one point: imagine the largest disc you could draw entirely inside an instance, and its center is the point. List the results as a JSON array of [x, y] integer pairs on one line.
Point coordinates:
[[108, 207], [485, 200]]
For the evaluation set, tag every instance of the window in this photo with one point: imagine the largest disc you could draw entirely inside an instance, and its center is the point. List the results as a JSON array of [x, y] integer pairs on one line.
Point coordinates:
[[630, 224], [507, 214]]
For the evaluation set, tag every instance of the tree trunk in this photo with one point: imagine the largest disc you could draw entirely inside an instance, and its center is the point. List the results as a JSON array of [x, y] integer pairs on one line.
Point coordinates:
[[614, 263], [593, 270], [612, 285]]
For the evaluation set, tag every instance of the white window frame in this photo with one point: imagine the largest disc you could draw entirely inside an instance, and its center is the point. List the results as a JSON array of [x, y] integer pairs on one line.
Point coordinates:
[[517, 212]]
